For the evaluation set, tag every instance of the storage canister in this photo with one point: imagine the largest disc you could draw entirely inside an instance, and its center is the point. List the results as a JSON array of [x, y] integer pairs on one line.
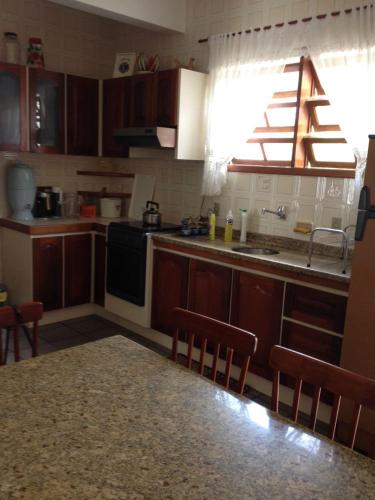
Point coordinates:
[[110, 207]]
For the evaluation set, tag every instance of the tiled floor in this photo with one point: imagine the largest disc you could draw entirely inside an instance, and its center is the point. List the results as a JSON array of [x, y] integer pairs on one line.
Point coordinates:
[[77, 332]]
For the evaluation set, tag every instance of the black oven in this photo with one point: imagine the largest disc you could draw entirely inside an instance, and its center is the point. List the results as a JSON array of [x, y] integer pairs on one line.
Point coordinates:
[[126, 259]]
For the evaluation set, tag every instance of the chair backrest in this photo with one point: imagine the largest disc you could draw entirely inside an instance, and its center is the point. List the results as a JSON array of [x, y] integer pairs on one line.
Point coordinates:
[[218, 334], [12, 317], [322, 375]]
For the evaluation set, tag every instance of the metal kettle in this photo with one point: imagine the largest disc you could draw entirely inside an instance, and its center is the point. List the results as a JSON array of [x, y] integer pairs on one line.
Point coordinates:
[[152, 216]]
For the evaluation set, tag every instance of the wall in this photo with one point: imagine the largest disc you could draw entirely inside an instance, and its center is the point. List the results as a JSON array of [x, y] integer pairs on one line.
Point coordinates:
[[85, 44]]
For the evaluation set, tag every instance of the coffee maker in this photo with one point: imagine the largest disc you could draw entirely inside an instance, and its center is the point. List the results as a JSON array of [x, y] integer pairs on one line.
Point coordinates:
[[48, 202]]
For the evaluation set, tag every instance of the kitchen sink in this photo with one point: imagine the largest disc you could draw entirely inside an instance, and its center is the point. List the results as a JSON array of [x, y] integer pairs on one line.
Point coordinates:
[[255, 251]]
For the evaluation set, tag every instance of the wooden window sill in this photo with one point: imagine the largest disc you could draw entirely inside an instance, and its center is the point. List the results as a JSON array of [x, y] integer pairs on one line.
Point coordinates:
[[312, 172]]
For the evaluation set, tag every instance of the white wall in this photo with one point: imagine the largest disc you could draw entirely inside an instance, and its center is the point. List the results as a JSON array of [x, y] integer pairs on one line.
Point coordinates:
[[160, 15]]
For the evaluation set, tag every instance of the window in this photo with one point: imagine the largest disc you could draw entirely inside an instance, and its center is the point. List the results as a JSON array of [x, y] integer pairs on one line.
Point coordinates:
[[298, 133]]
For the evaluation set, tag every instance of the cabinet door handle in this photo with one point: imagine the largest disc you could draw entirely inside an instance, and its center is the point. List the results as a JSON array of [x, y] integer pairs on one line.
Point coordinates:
[[258, 288]]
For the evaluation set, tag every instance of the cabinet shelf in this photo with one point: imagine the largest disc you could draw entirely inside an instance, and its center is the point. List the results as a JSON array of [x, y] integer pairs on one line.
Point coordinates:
[[105, 194], [104, 174]]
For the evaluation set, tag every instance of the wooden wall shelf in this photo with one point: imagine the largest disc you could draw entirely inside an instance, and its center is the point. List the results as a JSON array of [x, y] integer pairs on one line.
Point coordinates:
[[104, 174], [105, 194]]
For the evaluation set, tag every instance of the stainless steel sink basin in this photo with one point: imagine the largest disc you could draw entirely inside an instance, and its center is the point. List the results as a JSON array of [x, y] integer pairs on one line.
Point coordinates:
[[255, 251]]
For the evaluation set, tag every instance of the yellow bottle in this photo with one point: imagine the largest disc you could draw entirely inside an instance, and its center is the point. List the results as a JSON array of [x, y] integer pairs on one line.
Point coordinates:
[[212, 221], [228, 234]]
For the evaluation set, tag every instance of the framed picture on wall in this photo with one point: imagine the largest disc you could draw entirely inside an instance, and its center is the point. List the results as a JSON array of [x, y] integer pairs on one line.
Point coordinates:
[[124, 64]]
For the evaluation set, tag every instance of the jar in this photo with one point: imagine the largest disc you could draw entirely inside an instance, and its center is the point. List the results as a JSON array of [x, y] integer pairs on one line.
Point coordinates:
[[11, 48], [70, 205], [35, 57]]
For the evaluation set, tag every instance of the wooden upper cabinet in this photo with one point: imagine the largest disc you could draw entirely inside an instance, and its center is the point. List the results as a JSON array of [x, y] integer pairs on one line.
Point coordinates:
[[142, 101], [47, 111], [165, 89], [77, 269], [257, 307], [170, 282], [82, 115], [209, 289], [47, 271], [12, 107], [116, 113]]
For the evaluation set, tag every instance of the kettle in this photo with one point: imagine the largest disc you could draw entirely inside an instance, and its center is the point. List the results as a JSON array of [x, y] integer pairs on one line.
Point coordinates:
[[152, 216]]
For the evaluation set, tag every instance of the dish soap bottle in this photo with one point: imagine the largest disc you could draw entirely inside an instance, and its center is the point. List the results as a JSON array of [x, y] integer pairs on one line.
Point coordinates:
[[212, 221], [228, 234], [243, 225]]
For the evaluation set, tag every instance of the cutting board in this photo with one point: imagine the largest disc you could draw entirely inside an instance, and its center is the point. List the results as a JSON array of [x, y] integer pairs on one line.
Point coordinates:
[[142, 192]]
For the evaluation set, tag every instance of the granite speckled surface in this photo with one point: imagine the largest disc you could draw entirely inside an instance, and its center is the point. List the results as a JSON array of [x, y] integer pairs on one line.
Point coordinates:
[[321, 266], [113, 420]]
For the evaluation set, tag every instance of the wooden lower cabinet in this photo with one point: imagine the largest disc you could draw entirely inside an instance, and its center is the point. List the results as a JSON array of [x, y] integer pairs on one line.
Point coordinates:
[[209, 289], [170, 284], [77, 269], [257, 307], [99, 271], [48, 271]]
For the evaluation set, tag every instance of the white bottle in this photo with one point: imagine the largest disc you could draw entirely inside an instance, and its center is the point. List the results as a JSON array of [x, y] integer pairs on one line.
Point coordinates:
[[243, 225]]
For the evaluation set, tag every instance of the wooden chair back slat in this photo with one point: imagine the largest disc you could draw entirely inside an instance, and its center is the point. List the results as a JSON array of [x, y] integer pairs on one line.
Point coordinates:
[[216, 333], [275, 391], [202, 355], [334, 417], [214, 363], [296, 398], [322, 375], [228, 367], [315, 407]]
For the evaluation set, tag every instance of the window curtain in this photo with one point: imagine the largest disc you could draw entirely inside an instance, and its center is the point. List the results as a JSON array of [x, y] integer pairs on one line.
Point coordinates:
[[243, 72], [342, 49]]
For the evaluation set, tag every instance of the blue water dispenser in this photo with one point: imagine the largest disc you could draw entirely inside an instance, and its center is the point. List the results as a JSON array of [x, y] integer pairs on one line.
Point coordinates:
[[21, 190]]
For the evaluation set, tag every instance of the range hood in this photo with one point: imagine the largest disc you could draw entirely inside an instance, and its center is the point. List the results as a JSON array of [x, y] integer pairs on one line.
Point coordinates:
[[146, 137]]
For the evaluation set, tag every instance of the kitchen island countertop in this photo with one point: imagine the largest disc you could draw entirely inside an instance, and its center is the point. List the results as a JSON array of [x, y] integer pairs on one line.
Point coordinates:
[[114, 420]]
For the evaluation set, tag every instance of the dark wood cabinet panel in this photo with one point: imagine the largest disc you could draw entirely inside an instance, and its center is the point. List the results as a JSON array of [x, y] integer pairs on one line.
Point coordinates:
[[257, 307], [165, 90], [170, 283], [77, 269], [312, 342], [142, 101], [82, 115], [209, 289], [116, 114], [48, 271], [99, 274], [315, 307], [12, 107], [47, 111]]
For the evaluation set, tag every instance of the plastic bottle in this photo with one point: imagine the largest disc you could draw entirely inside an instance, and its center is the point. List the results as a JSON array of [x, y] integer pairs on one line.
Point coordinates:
[[228, 234], [243, 225], [212, 220]]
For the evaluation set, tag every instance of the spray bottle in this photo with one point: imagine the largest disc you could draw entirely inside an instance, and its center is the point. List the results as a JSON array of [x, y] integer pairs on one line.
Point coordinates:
[[228, 234]]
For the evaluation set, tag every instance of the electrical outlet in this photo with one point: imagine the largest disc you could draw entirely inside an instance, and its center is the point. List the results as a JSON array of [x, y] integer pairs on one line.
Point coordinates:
[[336, 223], [217, 209]]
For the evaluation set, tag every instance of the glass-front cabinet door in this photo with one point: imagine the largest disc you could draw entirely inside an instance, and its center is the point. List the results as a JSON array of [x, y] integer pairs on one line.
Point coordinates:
[[12, 107], [47, 105]]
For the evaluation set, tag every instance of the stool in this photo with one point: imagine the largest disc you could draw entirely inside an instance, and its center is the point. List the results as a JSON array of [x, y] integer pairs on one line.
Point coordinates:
[[12, 318]]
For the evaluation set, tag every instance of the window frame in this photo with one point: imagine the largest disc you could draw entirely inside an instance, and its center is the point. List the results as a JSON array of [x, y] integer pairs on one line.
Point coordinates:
[[307, 98]]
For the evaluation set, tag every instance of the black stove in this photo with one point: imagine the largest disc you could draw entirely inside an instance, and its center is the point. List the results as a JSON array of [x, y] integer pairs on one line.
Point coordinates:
[[126, 258]]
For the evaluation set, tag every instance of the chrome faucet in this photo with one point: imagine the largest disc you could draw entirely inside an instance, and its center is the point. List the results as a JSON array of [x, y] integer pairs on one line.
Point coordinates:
[[280, 211], [333, 231]]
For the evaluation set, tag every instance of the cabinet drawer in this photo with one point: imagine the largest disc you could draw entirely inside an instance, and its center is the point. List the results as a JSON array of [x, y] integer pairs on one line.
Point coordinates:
[[312, 342], [315, 307]]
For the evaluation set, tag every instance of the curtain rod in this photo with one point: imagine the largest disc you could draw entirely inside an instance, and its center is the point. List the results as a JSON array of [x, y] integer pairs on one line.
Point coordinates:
[[304, 20]]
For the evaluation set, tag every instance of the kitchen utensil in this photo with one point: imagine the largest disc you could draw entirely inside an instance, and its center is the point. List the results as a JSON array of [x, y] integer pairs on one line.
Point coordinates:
[[88, 211], [152, 216], [110, 207]]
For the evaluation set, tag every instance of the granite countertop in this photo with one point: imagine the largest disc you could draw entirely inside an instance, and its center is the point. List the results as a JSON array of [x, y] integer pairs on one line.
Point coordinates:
[[63, 225], [323, 266], [114, 420]]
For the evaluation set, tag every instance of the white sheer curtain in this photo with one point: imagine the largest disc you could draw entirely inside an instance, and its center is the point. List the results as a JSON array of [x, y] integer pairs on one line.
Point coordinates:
[[342, 49], [243, 72]]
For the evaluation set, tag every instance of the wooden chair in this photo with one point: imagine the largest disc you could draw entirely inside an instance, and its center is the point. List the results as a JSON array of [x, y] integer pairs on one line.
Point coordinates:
[[322, 375], [14, 317], [219, 334]]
